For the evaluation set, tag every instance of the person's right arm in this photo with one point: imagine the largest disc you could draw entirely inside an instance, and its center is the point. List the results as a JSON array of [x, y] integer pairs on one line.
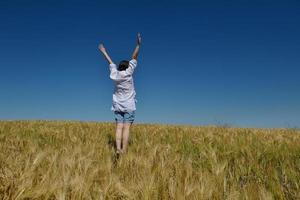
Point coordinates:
[[137, 48], [133, 61]]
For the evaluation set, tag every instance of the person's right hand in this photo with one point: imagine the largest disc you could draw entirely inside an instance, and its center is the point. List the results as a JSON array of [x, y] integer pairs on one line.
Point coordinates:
[[101, 47], [139, 39]]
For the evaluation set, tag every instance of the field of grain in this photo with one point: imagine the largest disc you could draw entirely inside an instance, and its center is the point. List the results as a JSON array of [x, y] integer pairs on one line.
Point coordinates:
[[76, 160]]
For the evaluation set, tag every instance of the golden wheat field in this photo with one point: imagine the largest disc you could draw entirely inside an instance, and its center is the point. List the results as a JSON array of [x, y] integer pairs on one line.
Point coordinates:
[[76, 160]]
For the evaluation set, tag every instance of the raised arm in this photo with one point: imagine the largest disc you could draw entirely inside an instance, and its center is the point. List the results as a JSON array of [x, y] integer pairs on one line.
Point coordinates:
[[137, 48], [103, 51]]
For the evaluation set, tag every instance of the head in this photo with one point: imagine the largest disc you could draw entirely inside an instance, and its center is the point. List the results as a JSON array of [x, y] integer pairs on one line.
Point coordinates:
[[123, 65]]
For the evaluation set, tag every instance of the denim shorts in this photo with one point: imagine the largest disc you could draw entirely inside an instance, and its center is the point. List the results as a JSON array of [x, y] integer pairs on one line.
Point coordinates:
[[124, 117]]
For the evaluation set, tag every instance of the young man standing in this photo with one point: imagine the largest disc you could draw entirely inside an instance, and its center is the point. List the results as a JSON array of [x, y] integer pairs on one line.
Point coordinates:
[[124, 100]]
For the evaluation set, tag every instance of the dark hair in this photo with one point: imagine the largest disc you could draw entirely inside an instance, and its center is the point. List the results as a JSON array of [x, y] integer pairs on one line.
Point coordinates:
[[123, 65]]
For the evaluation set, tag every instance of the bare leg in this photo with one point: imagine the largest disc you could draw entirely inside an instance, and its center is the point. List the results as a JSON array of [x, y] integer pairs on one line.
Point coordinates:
[[126, 128], [119, 136]]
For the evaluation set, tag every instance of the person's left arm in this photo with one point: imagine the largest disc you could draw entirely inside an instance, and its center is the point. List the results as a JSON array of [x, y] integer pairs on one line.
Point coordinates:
[[105, 54], [112, 65]]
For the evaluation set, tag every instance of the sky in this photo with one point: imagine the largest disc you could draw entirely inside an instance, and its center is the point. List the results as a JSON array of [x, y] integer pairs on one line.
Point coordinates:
[[201, 62]]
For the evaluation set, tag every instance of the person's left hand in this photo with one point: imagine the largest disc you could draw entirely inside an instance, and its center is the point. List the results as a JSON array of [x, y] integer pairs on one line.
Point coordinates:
[[101, 48]]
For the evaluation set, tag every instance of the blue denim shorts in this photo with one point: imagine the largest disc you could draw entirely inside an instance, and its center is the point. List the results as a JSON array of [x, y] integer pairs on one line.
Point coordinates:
[[124, 117]]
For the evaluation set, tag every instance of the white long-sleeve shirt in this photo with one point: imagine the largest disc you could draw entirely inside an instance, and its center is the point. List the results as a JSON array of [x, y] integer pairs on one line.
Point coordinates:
[[124, 93]]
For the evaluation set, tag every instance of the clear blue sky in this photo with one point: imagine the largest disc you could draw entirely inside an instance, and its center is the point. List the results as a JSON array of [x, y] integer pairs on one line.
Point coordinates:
[[202, 62]]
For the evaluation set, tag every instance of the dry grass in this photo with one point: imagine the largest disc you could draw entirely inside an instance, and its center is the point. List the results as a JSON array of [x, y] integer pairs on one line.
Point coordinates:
[[76, 160]]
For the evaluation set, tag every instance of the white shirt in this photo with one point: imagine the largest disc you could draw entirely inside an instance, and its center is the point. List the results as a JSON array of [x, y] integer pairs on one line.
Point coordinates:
[[124, 93]]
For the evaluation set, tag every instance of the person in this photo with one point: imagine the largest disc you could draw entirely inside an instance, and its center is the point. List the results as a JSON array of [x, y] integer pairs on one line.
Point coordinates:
[[123, 101]]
